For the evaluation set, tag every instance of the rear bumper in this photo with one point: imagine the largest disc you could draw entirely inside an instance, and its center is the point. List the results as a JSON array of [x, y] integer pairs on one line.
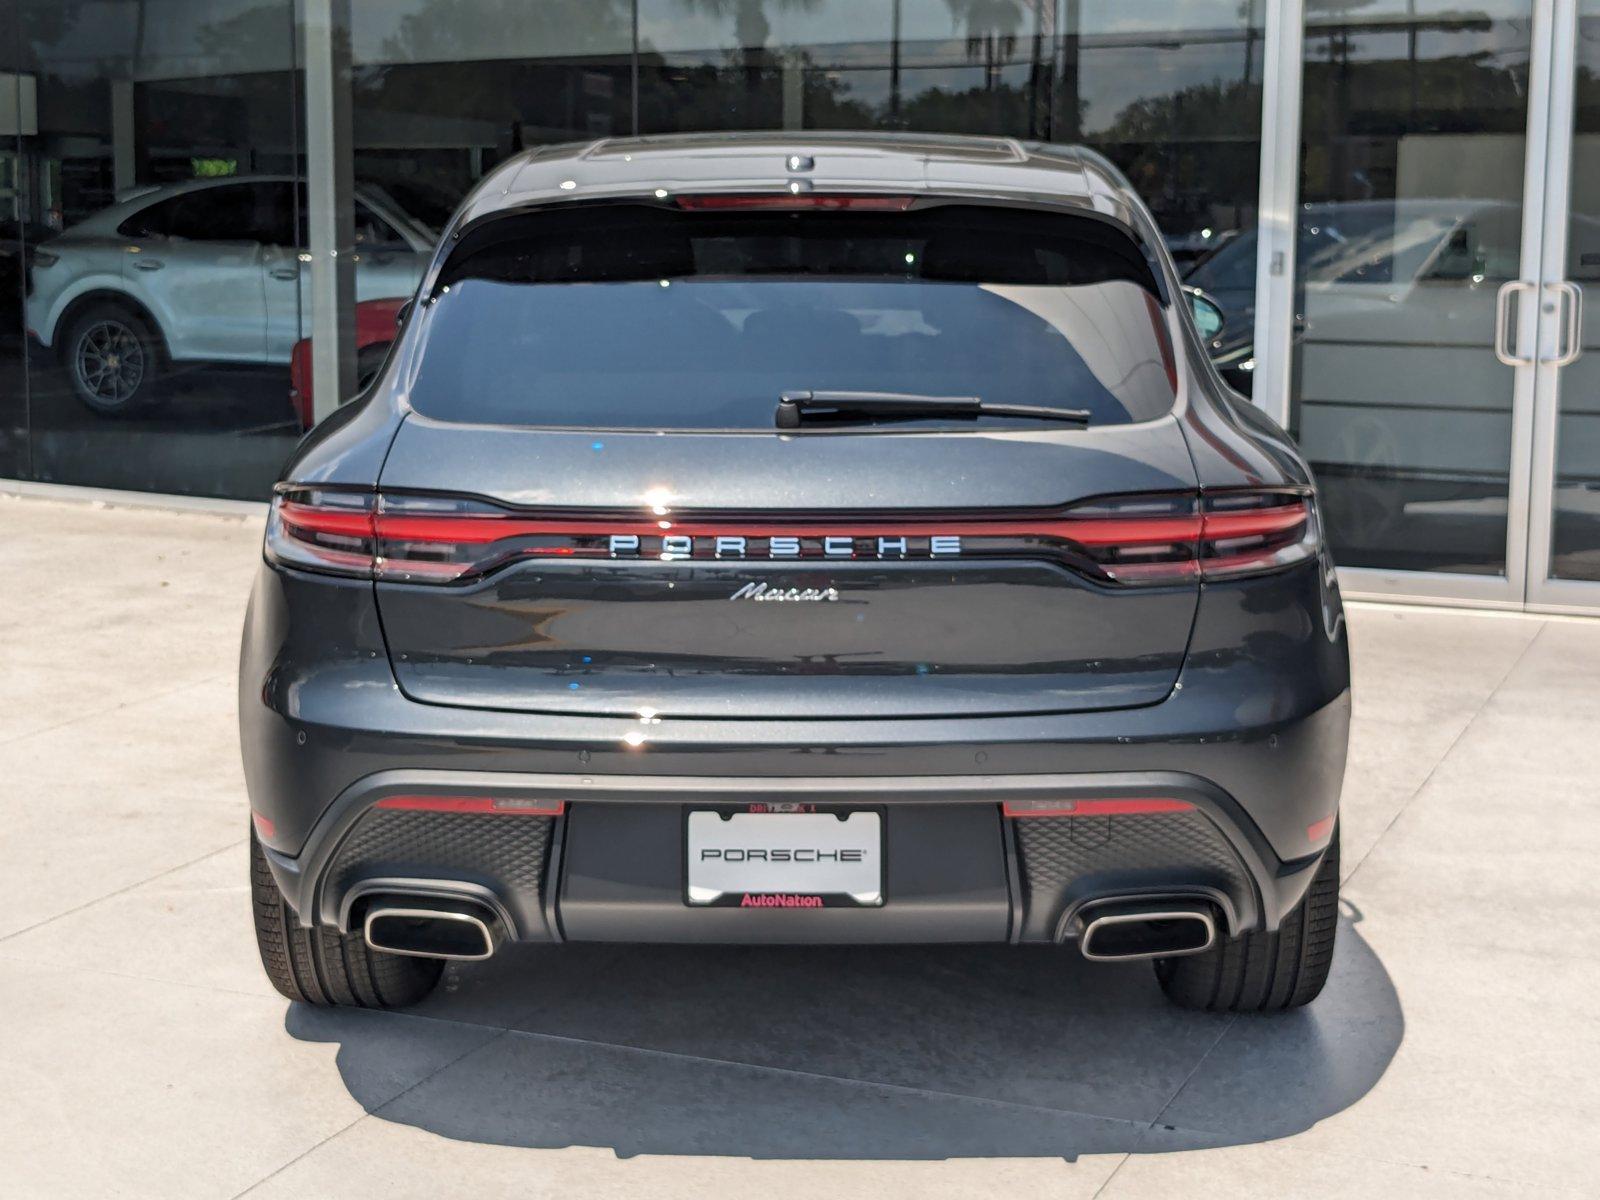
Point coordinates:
[[610, 867], [1253, 737]]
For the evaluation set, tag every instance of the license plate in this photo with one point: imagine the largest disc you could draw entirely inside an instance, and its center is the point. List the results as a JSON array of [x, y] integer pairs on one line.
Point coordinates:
[[785, 860]]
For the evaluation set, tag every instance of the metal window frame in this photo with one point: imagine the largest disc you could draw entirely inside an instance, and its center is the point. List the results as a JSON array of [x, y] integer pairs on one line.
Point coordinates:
[[1277, 219], [1551, 74], [325, 53], [1545, 594]]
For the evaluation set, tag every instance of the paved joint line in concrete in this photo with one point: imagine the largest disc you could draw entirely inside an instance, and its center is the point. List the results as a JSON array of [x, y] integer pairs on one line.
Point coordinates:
[[1430, 1168], [825, 1077], [369, 1113], [796, 1072], [1449, 750], [30, 492], [597, 1043], [138, 883], [1172, 1099], [1339, 1157], [1115, 1171], [1233, 1019], [114, 708], [162, 980], [1426, 609]]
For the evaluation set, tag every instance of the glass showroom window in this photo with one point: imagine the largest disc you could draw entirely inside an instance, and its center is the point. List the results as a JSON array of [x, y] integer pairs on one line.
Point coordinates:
[[155, 209], [19, 114], [1170, 91], [165, 245], [1410, 222]]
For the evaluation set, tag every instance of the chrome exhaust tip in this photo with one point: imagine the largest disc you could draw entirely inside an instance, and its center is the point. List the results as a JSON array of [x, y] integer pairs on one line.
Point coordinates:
[[1124, 932], [459, 932]]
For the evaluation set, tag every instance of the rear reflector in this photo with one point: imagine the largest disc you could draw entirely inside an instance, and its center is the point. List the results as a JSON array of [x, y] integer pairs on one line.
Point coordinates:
[[1132, 806], [510, 805], [264, 826], [1318, 831], [795, 200]]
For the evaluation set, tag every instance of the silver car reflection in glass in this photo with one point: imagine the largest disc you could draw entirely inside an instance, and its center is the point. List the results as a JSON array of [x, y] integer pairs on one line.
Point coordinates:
[[200, 272]]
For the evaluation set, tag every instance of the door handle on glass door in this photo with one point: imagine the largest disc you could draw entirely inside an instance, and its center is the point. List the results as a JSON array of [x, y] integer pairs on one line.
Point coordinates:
[[1502, 310], [1571, 325]]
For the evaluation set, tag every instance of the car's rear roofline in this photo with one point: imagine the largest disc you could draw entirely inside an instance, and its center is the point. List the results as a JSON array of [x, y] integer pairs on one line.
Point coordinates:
[[992, 169]]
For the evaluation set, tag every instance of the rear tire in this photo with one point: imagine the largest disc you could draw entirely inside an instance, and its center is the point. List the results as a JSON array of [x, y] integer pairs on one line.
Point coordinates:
[[323, 966], [1265, 972], [113, 359]]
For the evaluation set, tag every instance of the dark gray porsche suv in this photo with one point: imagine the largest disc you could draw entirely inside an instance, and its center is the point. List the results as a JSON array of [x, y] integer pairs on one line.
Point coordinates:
[[797, 539]]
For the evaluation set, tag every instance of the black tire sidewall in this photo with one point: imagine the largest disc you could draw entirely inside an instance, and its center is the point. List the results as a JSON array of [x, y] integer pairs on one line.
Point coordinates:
[[323, 967], [1259, 971]]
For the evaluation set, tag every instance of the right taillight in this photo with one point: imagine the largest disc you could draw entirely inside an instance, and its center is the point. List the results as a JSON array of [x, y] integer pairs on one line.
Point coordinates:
[[1154, 540], [1245, 533]]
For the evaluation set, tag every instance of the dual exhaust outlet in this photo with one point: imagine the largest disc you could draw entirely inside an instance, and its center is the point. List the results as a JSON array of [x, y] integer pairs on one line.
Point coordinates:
[[424, 927], [1120, 932], [464, 931]]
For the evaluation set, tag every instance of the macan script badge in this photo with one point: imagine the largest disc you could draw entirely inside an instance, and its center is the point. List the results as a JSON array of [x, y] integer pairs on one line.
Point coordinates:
[[760, 591]]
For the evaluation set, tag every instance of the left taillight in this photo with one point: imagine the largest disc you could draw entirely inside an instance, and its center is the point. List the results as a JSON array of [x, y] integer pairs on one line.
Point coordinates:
[[407, 539], [323, 529]]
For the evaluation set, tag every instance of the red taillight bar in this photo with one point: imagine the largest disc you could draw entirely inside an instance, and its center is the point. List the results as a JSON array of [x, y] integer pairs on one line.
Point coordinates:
[[1260, 522], [487, 528], [318, 519], [1119, 539], [503, 805], [795, 200], [1131, 806], [1086, 531]]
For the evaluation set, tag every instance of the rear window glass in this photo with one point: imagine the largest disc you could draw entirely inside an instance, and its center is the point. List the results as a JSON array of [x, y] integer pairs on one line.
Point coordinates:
[[637, 317]]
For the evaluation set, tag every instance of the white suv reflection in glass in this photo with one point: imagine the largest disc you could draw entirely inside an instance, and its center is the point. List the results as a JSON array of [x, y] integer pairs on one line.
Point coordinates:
[[207, 271]]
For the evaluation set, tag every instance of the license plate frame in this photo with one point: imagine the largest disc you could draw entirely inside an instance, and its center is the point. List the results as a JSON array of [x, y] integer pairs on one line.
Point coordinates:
[[719, 883]]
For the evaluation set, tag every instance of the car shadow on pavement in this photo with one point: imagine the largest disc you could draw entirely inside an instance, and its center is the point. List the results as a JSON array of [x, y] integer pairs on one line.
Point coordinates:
[[858, 1052]]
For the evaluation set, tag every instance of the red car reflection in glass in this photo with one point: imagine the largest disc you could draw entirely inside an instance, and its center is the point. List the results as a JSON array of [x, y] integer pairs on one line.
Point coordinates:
[[376, 324]]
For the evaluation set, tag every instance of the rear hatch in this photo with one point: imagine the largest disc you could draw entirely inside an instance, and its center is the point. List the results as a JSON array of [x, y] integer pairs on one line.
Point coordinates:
[[591, 508]]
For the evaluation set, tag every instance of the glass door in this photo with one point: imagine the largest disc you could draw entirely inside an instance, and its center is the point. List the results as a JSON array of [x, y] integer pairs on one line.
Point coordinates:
[[1416, 300], [1564, 533]]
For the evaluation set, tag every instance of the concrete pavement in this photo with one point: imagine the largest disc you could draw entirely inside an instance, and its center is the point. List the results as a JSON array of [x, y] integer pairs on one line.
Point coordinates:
[[142, 1052]]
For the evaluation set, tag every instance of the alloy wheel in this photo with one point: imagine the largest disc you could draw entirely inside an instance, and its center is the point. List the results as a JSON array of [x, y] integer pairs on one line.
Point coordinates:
[[109, 365]]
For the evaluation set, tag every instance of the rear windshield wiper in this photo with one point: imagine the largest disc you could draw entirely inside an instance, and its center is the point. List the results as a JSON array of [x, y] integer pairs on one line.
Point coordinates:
[[794, 407]]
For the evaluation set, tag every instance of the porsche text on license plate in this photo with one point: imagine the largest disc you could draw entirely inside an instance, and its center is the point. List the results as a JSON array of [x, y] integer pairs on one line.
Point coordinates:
[[785, 860]]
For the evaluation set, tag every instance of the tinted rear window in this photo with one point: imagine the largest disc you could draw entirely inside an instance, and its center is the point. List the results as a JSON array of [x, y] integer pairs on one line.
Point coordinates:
[[636, 317]]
